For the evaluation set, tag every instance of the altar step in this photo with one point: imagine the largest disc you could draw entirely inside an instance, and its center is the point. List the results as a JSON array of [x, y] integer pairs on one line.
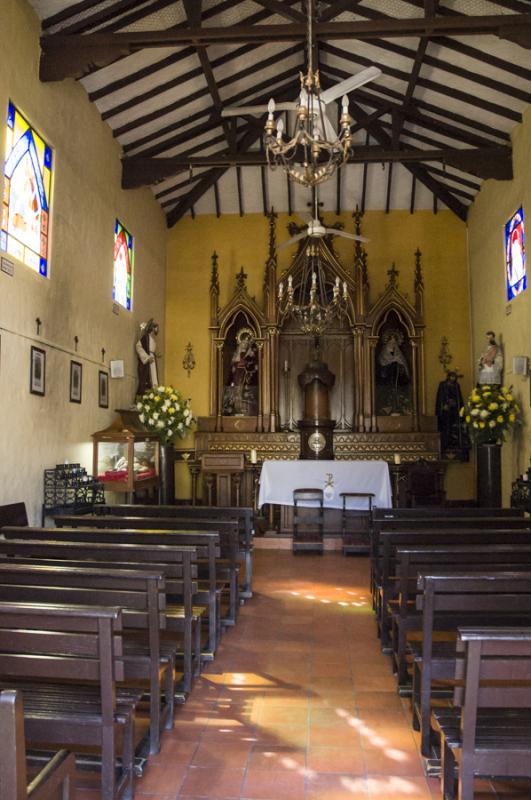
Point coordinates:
[[284, 541]]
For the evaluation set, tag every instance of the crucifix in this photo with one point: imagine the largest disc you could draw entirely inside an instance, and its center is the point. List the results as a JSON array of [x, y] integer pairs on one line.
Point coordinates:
[[76, 340], [38, 324], [103, 354]]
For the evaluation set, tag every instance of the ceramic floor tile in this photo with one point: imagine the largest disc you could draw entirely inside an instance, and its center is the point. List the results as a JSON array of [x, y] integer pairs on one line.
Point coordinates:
[[273, 784], [215, 783]]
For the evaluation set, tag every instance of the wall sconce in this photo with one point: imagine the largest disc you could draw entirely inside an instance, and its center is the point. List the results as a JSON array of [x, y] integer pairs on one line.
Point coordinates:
[[188, 360]]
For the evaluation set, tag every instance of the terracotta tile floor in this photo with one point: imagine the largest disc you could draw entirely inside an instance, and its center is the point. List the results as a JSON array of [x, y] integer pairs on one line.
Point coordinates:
[[300, 703]]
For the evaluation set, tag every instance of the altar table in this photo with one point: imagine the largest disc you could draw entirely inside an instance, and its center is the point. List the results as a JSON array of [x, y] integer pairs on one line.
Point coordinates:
[[278, 479]]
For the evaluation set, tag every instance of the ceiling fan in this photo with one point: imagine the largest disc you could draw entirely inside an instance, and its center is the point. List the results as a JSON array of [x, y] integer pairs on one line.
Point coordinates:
[[325, 98], [314, 150], [316, 230]]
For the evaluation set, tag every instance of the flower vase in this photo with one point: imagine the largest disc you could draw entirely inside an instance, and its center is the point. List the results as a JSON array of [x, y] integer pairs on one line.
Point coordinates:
[[167, 475], [489, 475]]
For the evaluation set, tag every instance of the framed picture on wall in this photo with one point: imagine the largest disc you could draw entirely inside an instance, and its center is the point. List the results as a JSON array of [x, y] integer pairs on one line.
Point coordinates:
[[103, 389], [38, 371], [76, 375]]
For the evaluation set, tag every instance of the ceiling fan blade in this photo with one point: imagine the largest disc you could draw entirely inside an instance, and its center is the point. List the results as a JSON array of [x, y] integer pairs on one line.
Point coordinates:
[[335, 232], [293, 239], [329, 133], [349, 84], [242, 111]]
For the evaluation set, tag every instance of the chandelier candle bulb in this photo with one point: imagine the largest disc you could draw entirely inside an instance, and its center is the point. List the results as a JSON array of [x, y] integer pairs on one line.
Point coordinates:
[[345, 290], [280, 290], [254, 457], [397, 458]]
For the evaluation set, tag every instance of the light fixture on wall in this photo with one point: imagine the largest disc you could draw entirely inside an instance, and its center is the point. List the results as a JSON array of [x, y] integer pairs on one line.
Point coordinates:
[[189, 359], [312, 304], [315, 150]]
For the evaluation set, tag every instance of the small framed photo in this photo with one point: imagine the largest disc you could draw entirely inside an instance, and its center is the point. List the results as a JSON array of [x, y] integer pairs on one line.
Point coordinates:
[[76, 375], [38, 371], [103, 389]]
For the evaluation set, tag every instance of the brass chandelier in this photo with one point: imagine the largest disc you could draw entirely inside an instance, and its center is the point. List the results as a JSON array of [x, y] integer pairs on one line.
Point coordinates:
[[312, 304], [315, 151]]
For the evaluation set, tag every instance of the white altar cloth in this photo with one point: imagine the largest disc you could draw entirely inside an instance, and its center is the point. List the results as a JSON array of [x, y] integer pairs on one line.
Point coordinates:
[[279, 478]]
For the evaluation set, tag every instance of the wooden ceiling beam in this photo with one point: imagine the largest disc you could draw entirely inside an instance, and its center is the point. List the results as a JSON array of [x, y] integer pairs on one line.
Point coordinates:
[[495, 162], [285, 11], [420, 172], [66, 56], [336, 8], [448, 90]]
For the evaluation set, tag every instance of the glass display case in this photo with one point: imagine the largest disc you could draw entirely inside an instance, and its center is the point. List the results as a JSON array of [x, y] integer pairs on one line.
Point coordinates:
[[126, 456]]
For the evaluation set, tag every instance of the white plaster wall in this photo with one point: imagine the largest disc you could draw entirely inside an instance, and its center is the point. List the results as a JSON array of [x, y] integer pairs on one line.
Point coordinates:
[[76, 300]]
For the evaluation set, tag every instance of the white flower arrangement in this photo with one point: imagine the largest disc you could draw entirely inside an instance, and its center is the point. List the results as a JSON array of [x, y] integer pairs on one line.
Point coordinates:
[[164, 411]]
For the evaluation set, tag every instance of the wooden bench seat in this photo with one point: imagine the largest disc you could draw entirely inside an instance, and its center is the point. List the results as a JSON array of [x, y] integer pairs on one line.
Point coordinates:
[[142, 597], [227, 566], [446, 602], [459, 558], [205, 544], [57, 775], [488, 732], [244, 516], [384, 560], [176, 563], [227, 560], [65, 661]]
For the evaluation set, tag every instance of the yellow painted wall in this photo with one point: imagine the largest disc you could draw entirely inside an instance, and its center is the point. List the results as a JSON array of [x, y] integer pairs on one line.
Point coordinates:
[[496, 202], [243, 242], [38, 432]]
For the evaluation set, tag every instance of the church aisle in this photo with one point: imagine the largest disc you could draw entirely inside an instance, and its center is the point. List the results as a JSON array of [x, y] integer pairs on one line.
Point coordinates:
[[300, 703]]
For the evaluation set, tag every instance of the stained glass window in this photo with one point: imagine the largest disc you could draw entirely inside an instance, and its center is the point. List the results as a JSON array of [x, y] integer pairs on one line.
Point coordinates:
[[123, 266], [515, 266], [24, 232]]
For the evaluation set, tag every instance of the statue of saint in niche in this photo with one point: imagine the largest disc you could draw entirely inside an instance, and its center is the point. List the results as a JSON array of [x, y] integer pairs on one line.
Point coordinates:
[[393, 375], [240, 397]]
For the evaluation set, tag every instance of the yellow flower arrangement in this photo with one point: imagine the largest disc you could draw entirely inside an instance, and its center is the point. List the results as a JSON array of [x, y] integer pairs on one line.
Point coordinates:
[[489, 413], [163, 410]]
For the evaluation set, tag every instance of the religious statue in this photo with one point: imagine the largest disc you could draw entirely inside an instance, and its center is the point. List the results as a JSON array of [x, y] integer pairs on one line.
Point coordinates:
[[490, 364], [454, 438], [240, 397], [393, 373], [147, 356]]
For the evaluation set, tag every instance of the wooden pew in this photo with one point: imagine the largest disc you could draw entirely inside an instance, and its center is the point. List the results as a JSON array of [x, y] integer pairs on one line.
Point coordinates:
[[384, 562], [446, 512], [243, 515], [66, 661], [432, 523], [142, 597], [452, 558], [58, 775], [488, 733], [177, 564], [227, 569], [13, 514], [205, 544], [447, 602]]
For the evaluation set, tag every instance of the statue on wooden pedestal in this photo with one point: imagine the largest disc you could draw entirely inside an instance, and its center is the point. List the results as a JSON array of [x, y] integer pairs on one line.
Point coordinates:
[[490, 364], [147, 357]]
